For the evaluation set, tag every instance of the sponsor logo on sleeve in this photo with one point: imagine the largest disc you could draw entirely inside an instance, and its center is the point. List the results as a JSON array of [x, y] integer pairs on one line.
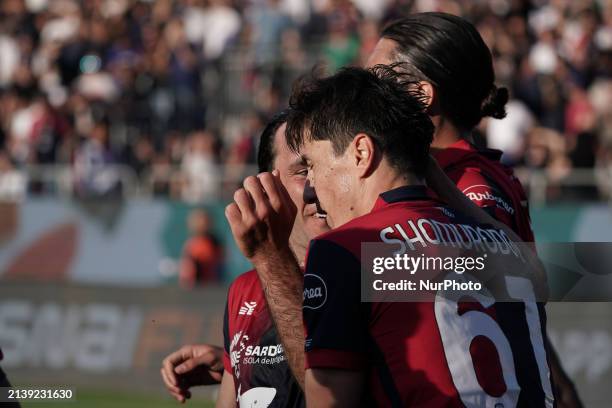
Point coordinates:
[[247, 309], [485, 195], [315, 291]]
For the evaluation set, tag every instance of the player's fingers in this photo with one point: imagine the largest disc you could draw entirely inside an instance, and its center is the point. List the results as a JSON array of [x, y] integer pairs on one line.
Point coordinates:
[[208, 359], [246, 205], [179, 397], [269, 186], [173, 389], [262, 205], [187, 366], [186, 352], [234, 217], [168, 374], [172, 360]]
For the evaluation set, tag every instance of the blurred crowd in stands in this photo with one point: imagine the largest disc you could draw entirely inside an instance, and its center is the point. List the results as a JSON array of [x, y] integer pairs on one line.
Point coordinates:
[[173, 93]]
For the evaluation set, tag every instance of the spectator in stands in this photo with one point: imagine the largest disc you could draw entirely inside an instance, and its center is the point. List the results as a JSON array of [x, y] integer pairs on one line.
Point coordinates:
[[267, 23], [342, 45], [211, 27], [202, 253], [95, 170], [12, 181], [165, 69], [199, 168]]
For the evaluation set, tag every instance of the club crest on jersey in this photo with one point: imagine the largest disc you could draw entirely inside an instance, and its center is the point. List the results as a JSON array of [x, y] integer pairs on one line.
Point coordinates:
[[247, 309], [315, 291], [237, 346]]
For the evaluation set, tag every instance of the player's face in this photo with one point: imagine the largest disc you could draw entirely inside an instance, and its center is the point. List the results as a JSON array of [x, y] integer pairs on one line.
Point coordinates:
[[333, 179], [382, 54], [293, 173]]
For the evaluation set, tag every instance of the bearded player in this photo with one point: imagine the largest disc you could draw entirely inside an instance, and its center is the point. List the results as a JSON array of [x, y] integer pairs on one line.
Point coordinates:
[[252, 365]]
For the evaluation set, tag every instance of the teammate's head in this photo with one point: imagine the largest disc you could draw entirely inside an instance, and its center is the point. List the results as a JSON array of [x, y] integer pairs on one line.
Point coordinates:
[[266, 154], [273, 153], [351, 128], [447, 52]]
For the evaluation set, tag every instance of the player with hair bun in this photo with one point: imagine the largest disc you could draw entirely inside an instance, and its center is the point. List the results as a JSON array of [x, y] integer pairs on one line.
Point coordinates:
[[454, 66]]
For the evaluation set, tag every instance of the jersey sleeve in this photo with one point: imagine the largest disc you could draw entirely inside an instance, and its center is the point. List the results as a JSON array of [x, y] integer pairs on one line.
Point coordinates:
[[334, 318], [227, 365]]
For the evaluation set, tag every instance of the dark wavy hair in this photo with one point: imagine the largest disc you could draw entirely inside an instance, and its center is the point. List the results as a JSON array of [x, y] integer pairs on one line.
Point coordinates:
[[448, 51], [378, 102], [265, 152]]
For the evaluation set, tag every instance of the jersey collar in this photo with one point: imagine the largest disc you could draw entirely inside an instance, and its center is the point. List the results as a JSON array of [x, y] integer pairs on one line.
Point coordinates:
[[404, 193], [461, 150]]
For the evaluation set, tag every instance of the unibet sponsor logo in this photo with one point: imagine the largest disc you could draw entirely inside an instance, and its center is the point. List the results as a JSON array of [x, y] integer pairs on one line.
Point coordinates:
[[264, 351], [315, 291]]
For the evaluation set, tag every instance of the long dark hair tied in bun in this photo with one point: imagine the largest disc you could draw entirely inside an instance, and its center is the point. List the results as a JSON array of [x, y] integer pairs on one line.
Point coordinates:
[[494, 104]]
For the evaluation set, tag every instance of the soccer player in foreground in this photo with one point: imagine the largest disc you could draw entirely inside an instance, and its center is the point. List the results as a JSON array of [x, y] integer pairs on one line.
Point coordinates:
[[367, 171]]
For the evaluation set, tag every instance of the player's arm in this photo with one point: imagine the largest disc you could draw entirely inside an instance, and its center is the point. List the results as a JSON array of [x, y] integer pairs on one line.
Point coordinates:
[[282, 282], [333, 388], [261, 219], [227, 392]]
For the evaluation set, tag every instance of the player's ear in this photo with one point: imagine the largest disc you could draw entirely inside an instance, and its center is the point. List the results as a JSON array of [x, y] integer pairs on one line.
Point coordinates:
[[364, 153], [431, 97]]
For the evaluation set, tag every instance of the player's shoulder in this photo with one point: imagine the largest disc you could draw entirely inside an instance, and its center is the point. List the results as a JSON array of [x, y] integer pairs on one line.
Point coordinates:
[[335, 245], [481, 167], [246, 280], [245, 288], [346, 235]]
